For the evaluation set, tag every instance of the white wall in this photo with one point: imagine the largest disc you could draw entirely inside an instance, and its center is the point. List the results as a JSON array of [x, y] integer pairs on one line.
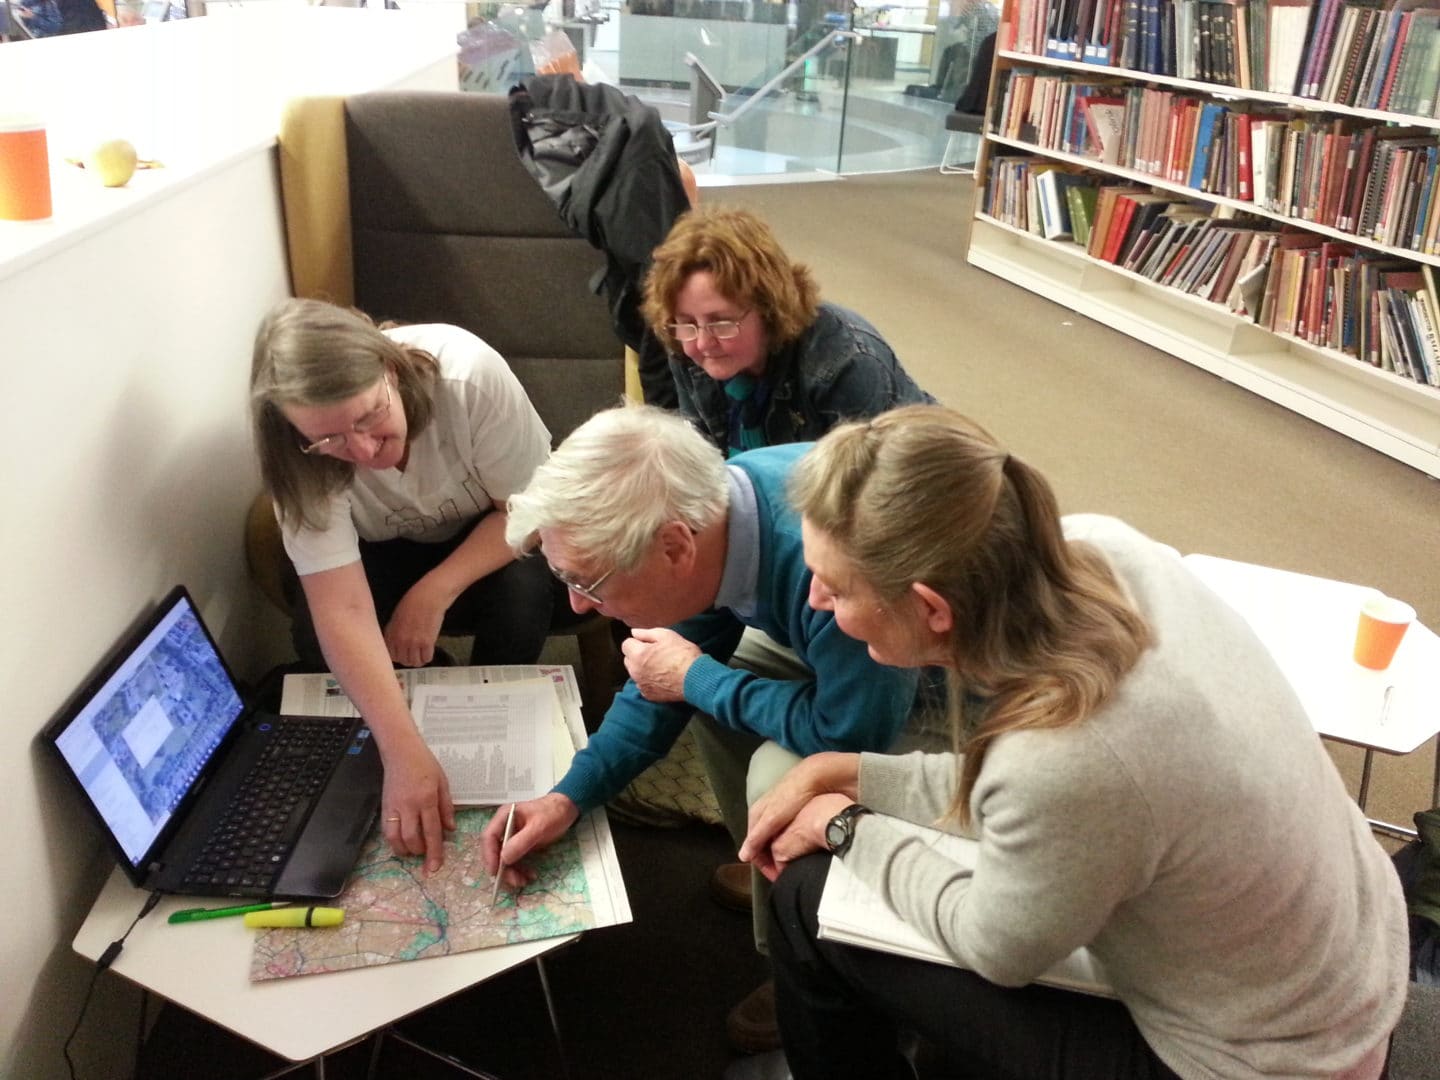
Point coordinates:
[[127, 469], [125, 330]]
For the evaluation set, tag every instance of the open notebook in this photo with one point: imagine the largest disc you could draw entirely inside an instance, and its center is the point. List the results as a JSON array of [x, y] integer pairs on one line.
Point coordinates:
[[853, 914]]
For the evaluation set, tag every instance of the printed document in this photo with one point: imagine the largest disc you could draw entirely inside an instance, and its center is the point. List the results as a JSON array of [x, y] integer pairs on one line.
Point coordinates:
[[851, 912]]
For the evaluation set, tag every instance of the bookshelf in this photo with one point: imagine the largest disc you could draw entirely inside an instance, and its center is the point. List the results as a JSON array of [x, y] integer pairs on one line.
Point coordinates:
[[1336, 372]]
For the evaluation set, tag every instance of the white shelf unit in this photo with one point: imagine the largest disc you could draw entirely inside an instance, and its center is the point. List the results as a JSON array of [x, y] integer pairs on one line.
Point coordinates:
[[1386, 412]]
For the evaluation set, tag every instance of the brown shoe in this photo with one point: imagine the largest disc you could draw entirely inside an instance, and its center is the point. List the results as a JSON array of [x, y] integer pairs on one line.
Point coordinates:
[[751, 1025], [730, 886]]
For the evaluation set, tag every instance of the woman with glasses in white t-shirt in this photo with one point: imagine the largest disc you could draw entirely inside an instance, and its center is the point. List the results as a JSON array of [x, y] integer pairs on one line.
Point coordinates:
[[389, 454]]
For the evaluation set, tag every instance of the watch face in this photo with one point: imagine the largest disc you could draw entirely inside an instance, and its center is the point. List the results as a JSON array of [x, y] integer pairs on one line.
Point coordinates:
[[836, 833]]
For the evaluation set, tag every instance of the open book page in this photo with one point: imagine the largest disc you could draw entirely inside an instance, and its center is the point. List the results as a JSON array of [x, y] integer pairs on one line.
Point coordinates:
[[853, 914], [492, 739]]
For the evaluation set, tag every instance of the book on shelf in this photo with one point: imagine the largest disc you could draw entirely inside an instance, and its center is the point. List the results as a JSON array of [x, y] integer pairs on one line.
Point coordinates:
[[852, 913], [1430, 298], [1244, 163], [1143, 231], [1289, 20], [1081, 200], [1206, 126], [1052, 185], [1105, 120], [1249, 288], [1257, 28], [1425, 362], [1104, 210], [1415, 76], [1317, 46]]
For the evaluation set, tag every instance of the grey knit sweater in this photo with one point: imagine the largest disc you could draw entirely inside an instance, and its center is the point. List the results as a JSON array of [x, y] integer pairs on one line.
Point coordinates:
[[1193, 833]]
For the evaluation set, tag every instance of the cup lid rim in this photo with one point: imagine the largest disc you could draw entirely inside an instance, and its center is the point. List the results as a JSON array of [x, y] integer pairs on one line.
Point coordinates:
[[20, 122]]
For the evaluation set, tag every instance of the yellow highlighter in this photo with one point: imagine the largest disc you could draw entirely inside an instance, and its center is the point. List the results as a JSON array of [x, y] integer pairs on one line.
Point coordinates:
[[296, 916]]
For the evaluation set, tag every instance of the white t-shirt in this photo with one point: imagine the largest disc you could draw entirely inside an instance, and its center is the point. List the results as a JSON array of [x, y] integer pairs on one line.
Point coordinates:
[[483, 442]]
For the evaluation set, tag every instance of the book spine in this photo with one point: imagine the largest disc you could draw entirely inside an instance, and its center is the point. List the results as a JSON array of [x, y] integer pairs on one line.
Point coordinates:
[[1397, 58], [1244, 169]]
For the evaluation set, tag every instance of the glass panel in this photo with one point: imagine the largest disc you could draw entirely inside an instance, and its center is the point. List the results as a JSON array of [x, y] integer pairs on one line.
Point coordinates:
[[795, 124], [794, 96], [909, 67]]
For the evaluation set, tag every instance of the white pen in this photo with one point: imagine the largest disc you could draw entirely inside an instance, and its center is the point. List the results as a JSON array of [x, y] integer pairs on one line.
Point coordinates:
[[500, 859], [1385, 706]]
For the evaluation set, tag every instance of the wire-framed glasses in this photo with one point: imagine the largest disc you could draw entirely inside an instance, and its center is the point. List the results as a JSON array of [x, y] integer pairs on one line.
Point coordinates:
[[720, 329], [589, 592], [333, 444]]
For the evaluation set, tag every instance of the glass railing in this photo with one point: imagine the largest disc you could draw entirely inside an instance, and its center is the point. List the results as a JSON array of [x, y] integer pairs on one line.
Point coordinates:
[[791, 95]]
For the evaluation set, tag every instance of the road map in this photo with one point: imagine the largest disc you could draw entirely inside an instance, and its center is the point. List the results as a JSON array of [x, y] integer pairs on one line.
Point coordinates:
[[393, 912]]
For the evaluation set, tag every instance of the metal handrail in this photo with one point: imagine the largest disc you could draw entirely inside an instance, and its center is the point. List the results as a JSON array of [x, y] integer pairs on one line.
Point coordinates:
[[726, 119]]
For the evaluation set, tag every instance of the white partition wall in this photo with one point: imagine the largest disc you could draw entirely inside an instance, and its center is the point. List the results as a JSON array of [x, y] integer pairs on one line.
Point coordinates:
[[127, 322]]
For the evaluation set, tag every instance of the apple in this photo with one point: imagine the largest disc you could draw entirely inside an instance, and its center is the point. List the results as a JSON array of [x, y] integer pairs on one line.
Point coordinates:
[[113, 161]]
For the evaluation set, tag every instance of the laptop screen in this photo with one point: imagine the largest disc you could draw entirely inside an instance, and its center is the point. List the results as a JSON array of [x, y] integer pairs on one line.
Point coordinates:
[[137, 744]]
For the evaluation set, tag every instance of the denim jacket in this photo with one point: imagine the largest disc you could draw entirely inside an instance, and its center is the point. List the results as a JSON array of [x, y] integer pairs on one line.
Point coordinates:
[[839, 369]]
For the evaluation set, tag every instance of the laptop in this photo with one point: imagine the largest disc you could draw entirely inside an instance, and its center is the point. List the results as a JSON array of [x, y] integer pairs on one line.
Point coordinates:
[[168, 756]]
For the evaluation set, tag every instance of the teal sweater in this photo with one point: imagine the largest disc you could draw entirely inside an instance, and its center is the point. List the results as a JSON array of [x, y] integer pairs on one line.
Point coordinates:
[[852, 703]]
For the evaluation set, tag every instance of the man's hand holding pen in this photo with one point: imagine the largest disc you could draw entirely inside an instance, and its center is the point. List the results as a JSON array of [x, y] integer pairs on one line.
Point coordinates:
[[538, 823]]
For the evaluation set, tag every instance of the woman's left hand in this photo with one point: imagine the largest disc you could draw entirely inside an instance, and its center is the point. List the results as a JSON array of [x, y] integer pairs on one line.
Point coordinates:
[[414, 627], [806, 833]]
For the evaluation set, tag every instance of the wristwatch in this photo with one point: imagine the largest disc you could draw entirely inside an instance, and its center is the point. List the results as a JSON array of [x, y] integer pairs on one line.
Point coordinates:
[[841, 829]]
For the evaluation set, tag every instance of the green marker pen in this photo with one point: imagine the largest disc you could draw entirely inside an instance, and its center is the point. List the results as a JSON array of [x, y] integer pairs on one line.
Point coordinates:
[[195, 914]]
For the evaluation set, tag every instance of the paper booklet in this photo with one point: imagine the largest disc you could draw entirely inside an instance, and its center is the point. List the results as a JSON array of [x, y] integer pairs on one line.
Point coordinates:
[[500, 733], [853, 914]]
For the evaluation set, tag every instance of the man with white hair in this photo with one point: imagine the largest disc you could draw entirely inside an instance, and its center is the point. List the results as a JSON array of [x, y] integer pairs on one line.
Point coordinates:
[[642, 519]]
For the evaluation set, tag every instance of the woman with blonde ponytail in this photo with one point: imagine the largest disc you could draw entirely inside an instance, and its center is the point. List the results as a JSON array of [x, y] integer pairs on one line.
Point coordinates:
[[1139, 776]]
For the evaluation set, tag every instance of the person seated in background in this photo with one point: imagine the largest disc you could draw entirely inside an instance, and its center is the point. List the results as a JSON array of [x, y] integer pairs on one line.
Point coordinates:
[[1139, 775], [390, 454], [640, 516], [40, 18], [757, 358]]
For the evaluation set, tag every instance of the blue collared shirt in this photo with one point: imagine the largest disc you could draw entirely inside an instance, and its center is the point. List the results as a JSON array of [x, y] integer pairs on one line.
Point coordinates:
[[739, 583]]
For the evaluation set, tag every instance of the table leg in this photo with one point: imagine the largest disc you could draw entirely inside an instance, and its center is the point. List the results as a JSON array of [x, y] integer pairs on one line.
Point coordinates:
[[1399, 832], [454, 1062], [1364, 795], [140, 1035], [554, 1017], [1435, 776], [375, 1053]]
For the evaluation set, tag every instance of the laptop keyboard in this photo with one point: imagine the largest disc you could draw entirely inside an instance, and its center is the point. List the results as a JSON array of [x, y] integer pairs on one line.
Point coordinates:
[[249, 846]]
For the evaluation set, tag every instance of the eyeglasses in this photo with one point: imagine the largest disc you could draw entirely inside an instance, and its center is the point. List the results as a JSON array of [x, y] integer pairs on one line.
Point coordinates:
[[720, 329], [589, 592], [333, 444]]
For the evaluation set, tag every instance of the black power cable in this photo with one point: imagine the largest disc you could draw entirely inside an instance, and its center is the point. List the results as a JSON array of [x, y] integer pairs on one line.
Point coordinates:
[[106, 959]]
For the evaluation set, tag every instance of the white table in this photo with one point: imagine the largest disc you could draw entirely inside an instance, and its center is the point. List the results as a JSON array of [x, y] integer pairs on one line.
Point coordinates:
[[1308, 624], [205, 966]]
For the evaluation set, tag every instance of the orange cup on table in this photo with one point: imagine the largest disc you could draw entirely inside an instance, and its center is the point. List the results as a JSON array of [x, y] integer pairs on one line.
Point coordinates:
[[1383, 622], [24, 169]]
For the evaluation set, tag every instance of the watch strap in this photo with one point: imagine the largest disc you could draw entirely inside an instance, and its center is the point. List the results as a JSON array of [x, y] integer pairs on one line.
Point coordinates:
[[843, 824]]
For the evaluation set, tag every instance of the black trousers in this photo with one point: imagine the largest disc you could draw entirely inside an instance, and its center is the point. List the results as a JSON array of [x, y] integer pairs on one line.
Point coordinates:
[[841, 1009], [509, 612]]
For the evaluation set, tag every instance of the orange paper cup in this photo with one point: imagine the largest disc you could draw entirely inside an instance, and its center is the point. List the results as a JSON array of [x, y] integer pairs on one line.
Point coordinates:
[[24, 170], [1383, 623]]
